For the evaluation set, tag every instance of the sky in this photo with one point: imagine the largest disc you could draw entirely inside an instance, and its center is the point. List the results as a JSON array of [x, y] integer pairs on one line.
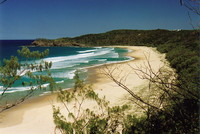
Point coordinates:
[[31, 19]]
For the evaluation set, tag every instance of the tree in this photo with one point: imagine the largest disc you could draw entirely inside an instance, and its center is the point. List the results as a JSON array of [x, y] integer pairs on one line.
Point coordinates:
[[81, 119], [13, 70], [173, 110], [171, 106]]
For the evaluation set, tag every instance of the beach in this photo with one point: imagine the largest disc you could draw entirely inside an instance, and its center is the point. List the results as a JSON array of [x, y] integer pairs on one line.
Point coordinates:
[[35, 116]]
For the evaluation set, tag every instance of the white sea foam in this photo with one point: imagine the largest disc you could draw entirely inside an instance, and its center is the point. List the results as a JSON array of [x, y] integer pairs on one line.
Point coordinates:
[[64, 74], [87, 61], [71, 74], [86, 51], [45, 85], [62, 81], [113, 55], [65, 58], [98, 47], [110, 62], [78, 56], [61, 65], [64, 62], [130, 50], [102, 60], [15, 89], [68, 64], [23, 71]]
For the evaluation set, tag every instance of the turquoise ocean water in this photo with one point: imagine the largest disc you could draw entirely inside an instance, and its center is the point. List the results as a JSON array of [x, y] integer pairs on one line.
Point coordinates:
[[66, 60]]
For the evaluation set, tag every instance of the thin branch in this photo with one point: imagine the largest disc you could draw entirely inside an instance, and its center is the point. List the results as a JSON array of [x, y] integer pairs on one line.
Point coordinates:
[[18, 102], [3, 1], [192, 5], [130, 92]]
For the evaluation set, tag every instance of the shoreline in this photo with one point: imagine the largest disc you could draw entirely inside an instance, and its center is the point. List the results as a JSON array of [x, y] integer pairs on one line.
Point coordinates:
[[17, 118], [71, 77], [31, 102]]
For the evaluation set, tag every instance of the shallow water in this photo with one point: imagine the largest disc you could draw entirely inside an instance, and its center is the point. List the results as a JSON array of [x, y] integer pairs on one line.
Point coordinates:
[[66, 60]]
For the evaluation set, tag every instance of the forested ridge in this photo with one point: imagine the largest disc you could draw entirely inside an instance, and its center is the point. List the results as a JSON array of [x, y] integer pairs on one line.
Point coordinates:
[[124, 37], [182, 51]]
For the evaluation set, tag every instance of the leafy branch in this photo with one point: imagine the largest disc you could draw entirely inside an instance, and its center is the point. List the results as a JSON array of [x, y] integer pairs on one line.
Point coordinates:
[[14, 70]]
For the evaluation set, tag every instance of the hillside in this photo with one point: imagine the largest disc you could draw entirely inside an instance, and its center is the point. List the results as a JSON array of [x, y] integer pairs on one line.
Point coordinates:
[[182, 51], [125, 37]]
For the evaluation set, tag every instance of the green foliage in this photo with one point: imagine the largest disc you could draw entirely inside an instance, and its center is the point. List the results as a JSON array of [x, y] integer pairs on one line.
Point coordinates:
[[82, 119], [26, 53], [9, 71], [128, 37], [182, 51], [180, 114], [12, 71], [134, 125]]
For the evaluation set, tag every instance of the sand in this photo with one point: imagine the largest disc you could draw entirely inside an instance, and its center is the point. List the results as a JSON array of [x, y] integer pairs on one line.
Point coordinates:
[[35, 115]]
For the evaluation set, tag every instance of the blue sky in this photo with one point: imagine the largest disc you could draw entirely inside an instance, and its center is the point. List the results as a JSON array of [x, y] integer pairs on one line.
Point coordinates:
[[30, 19]]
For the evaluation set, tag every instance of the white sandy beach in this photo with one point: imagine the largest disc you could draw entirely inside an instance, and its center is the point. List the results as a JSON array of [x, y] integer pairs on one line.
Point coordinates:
[[35, 115]]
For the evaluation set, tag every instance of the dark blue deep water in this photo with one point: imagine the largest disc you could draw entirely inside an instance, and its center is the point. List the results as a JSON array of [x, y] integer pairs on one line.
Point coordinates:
[[9, 47]]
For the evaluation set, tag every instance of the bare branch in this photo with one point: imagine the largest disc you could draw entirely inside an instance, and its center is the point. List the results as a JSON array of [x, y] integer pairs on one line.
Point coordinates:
[[3, 1], [109, 73], [192, 5]]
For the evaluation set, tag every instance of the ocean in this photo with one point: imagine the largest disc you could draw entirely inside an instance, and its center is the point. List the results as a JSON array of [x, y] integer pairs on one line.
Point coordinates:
[[66, 60]]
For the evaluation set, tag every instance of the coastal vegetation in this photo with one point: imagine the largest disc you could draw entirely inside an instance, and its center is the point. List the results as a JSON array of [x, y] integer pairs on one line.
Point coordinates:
[[175, 110], [12, 71], [126, 37], [81, 119], [180, 98]]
